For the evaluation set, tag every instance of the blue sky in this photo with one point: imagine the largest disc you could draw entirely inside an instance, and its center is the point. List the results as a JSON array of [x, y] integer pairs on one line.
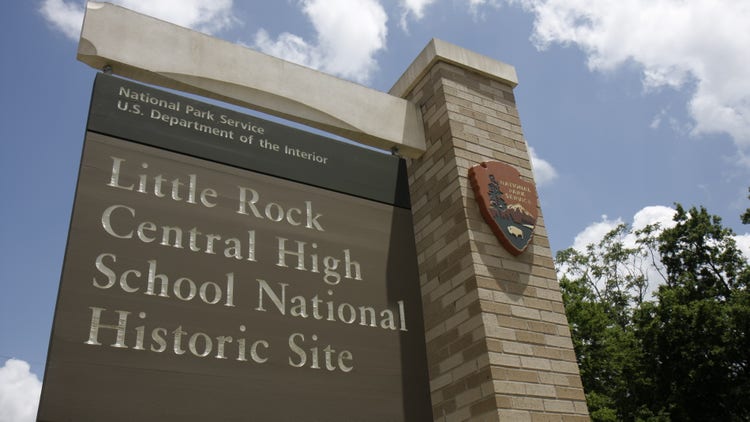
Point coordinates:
[[629, 106]]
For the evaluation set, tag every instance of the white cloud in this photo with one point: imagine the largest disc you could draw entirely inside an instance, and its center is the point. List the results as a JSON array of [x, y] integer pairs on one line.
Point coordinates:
[[661, 215], [653, 214], [543, 170], [476, 6], [663, 118], [413, 8], [349, 34], [202, 15], [594, 233], [19, 392], [647, 265], [289, 47], [65, 17], [743, 243], [656, 214], [657, 120], [700, 45]]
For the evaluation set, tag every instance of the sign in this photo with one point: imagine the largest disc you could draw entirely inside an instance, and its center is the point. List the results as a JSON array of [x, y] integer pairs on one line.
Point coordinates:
[[199, 284], [507, 203]]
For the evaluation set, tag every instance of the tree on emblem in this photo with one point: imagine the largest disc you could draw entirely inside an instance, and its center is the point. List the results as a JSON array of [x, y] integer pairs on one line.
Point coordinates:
[[497, 203]]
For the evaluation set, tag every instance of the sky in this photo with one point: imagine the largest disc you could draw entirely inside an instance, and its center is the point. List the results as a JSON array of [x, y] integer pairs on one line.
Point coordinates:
[[628, 106]]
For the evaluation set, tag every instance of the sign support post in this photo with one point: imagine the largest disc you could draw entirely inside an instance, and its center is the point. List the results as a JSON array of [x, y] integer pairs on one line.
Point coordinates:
[[498, 341]]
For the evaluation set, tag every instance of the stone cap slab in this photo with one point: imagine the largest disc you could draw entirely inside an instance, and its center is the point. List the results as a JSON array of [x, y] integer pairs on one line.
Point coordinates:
[[156, 52], [438, 50]]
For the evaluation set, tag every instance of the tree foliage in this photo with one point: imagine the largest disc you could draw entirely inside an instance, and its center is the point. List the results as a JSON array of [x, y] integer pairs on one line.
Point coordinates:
[[660, 320]]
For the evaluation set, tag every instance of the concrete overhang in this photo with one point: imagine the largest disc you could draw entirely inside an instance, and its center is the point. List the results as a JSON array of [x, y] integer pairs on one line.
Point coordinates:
[[156, 52]]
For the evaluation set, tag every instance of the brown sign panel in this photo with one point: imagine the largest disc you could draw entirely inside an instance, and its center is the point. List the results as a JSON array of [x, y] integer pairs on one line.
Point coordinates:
[[507, 203], [195, 291]]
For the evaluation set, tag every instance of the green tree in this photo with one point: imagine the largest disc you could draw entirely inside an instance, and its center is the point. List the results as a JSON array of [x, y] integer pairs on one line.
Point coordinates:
[[746, 216], [696, 334], [603, 287], [680, 355]]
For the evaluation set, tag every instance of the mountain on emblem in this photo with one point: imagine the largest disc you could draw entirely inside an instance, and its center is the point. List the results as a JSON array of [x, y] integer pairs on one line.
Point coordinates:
[[507, 203]]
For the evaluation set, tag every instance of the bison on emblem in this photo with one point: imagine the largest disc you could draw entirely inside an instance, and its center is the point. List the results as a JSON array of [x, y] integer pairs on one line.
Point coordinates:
[[515, 231]]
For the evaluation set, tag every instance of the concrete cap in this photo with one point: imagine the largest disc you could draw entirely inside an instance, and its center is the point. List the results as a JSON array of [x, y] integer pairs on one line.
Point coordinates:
[[153, 51], [438, 50]]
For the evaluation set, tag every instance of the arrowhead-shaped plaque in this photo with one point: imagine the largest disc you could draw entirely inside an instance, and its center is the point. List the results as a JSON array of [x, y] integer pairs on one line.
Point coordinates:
[[507, 203]]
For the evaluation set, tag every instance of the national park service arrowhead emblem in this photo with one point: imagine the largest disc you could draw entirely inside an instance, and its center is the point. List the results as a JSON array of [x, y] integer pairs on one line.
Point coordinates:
[[507, 203]]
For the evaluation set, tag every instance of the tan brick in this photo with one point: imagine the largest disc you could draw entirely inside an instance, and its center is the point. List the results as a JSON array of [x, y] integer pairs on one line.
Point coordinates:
[[540, 390], [581, 408], [458, 318], [553, 317], [500, 332], [570, 393], [434, 332], [509, 387], [523, 375], [523, 312], [549, 294], [547, 352], [482, 407], [515, 323], [530, 337], [543, 327], [469, 396], [560, 406], [465, 369], [545, 417], [554, 379], [494, 345], [544, 306], [440, 381], [450, 363], [535, 363], [528, 403], [501, 359], [453, 296], [517, 348], [495, 308], [559, 341], [514, 415], [568, 418], [566, 367], [460, 415], [484, 294], [469, 325]]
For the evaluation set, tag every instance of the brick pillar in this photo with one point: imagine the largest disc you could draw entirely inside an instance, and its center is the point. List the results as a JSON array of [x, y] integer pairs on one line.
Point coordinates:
[[498, 342]]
